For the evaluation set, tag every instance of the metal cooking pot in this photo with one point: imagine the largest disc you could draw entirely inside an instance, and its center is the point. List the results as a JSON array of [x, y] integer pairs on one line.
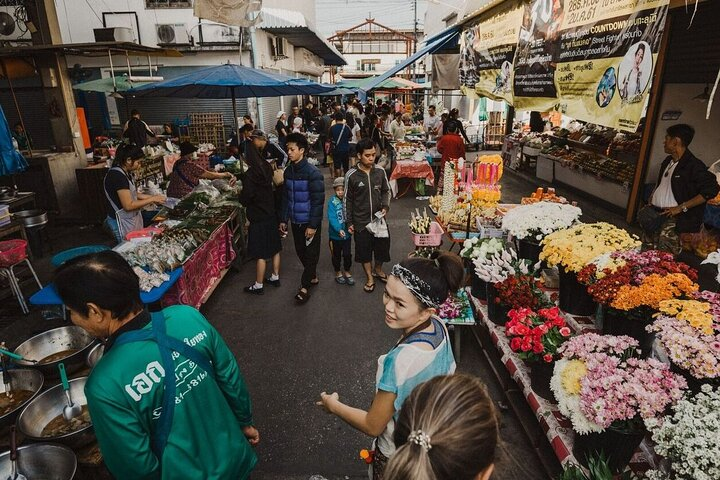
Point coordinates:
[[32, 218], [22, 379], [48, 405], [54, 341], [94, 355], [41, 461]]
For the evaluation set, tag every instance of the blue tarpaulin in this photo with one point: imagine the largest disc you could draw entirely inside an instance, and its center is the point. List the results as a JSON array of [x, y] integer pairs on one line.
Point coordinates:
[[11, 161]]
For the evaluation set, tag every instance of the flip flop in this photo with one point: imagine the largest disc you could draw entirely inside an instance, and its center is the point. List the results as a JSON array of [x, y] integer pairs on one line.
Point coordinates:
[[341, 280], [369, 287], [383, 278], [314, 281]]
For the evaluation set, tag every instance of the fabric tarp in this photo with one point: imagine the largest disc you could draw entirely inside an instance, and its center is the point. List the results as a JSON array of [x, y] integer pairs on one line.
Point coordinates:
[[445, 67]]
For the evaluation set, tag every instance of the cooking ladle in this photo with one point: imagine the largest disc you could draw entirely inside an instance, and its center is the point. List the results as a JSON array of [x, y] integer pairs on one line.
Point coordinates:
[[71, 410], [15, 356], [15, 475]]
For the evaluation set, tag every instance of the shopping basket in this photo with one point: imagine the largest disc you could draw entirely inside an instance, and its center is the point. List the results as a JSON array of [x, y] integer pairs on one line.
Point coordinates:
[[432, 239], [12, 252]]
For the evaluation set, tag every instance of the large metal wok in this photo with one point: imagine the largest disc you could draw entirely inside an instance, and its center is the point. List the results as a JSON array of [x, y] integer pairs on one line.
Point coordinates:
[[54, 341]]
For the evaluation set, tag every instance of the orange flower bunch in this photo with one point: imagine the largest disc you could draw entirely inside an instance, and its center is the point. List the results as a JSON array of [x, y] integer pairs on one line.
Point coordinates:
[[653, 290]]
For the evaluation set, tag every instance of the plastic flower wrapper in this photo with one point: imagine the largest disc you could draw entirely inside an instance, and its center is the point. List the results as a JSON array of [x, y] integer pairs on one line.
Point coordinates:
[[481, 247], [534, 221], [600, 383], [714, 257], [577, 246], [688, 438], [498, 266]]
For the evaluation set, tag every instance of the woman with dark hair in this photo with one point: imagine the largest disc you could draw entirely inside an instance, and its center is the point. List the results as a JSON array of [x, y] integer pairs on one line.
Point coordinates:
[[453, 117], [167, 399], [263, 235], [186, 175], [413, 294], [124, 202], [447, 430]]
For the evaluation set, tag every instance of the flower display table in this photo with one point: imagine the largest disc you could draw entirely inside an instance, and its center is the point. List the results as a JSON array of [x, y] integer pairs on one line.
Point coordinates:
[[410, 169], [557, 428]]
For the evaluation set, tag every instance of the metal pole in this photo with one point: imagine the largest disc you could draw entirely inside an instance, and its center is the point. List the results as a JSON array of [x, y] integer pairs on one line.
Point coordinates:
[[235, 116], [254, 60]]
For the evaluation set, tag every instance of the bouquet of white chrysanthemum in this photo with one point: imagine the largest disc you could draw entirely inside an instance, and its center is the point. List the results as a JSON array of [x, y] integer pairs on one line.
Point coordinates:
[[481, 247], [534, 221], [688, 438]]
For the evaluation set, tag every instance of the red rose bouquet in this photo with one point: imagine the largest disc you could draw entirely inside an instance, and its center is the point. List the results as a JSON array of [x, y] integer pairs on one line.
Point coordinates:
[[536, 335]]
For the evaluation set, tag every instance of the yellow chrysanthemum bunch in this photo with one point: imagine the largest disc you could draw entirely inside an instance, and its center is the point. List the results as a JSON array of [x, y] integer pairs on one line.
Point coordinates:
[[575, 247], [574, 372], [695, 312]]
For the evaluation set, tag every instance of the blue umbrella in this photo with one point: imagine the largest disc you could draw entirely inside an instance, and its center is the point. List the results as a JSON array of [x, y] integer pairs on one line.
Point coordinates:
[[11, 161]]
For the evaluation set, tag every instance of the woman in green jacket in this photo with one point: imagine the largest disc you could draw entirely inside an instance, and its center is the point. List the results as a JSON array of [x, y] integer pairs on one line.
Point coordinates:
[[167, 399]]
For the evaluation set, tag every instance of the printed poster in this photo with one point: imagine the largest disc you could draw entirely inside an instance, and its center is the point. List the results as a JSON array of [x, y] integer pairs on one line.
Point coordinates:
[[494, 44], [590, 59]]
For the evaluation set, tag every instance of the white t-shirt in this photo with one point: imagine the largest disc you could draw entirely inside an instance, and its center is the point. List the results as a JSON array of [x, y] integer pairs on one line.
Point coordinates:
[[663, 196], [431, 123], [355, 133], [397, 129]]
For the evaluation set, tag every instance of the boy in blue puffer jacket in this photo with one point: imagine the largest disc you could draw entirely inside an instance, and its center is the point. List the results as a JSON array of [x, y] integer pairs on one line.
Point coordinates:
[[340, 242], [302, 207]]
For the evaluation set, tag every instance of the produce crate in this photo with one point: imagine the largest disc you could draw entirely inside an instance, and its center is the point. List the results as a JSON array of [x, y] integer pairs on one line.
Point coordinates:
[[207, 118], [432, 239]]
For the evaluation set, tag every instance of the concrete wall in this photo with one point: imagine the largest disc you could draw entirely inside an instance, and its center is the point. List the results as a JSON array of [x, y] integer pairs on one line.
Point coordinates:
[[705, 145]]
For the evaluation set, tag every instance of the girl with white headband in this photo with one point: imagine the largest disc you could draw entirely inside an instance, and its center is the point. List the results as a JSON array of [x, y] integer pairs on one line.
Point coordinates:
[[413, 294]]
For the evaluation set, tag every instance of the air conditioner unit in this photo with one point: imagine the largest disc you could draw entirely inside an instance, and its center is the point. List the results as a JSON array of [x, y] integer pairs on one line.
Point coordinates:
[[172, 34], [278, 48], [217, 33], [10, 27], [114, 34]]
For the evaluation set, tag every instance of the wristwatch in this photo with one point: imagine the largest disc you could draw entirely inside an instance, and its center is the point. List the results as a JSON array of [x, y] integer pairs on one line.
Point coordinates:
[[684, 209]]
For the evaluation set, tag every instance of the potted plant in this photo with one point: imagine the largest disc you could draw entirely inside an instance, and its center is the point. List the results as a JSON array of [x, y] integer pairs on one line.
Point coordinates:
[[688, 438], [690, 335], [495, 269], [607, 392], [574, 248], [536, 337], [529, 224], [479, 248], [630, 287]]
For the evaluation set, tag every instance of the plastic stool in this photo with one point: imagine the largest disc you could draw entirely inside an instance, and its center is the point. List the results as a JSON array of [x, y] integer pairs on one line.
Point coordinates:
[[62, 257], [9, 273]]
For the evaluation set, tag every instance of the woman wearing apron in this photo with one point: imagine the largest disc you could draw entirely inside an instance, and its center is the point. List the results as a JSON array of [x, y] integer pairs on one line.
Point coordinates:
[[413, 294], [167, 398], [124, 203]]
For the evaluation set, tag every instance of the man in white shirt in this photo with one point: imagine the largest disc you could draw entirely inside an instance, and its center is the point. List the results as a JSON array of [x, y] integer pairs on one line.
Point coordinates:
[[397, 127], [431, 122]]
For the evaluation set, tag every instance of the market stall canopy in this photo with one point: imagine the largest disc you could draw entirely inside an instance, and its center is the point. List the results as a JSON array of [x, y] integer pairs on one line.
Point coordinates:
[[394, 83], [231, 81], [106, 85], [95, 49], [11, 161], [293, 26], [338, 91], [448, 38]]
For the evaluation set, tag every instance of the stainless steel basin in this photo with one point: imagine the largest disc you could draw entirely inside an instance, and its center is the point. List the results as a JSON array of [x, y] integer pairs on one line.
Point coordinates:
[[94, 355], [41, 461], [54, 341], [21, 379], [32, 218]]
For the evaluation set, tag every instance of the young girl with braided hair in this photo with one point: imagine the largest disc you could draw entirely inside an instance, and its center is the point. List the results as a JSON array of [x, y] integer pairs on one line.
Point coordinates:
[[413, 294], [447, 429]]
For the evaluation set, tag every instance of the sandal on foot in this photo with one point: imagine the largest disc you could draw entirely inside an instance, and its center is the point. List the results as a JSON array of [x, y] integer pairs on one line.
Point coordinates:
[[383, 278], [349, 281], [314, 281], [341, 280], [302, 297], [369, 287]]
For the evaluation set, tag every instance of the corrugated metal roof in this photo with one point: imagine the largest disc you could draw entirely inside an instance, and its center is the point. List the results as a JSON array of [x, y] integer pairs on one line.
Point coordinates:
[[293, 26]]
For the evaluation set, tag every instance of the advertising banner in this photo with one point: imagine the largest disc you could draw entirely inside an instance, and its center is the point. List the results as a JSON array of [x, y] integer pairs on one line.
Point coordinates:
[[493, 46], [590, 59]]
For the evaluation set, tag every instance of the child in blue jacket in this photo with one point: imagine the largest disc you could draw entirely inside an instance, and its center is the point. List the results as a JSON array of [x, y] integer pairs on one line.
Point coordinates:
[[340, 242]]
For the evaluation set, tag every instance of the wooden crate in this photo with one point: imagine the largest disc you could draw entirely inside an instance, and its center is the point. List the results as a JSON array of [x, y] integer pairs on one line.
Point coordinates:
[[214, 134], [206, 118]]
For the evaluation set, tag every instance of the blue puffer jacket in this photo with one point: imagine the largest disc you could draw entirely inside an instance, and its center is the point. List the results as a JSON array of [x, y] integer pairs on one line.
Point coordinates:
[[303, 195]]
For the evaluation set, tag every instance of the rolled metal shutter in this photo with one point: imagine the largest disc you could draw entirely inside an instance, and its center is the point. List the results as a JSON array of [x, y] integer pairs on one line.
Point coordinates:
[[270, 108], [34, 112]]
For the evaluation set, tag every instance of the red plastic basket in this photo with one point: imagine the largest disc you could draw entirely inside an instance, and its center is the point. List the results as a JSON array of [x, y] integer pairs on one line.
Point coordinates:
[[12, 252], [432, 239]]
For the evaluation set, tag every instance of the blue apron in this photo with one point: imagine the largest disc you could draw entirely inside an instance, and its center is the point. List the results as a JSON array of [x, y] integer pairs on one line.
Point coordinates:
[[167, 345]]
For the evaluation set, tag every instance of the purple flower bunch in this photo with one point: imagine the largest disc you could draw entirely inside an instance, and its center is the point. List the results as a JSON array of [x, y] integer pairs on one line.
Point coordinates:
[[617, 390], [713, 298], [582, 346]]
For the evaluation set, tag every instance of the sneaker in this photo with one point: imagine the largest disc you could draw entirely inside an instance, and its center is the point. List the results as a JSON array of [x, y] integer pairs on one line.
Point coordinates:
[[350, 281], [341, 280], [254, 290], [274, 283]]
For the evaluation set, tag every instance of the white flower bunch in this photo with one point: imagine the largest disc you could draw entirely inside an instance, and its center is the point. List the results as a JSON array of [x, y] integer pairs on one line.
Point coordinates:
[[534, 221], [714, 257], [689, 437], [498, 266], [481, 247]]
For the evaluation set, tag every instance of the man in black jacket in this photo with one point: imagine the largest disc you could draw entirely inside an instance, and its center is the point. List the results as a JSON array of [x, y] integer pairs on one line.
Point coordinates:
[[136, 131], [684, 185]]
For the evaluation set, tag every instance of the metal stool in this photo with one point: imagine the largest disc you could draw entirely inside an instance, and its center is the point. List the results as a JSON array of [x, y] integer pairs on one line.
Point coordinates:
[[9, 273]]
